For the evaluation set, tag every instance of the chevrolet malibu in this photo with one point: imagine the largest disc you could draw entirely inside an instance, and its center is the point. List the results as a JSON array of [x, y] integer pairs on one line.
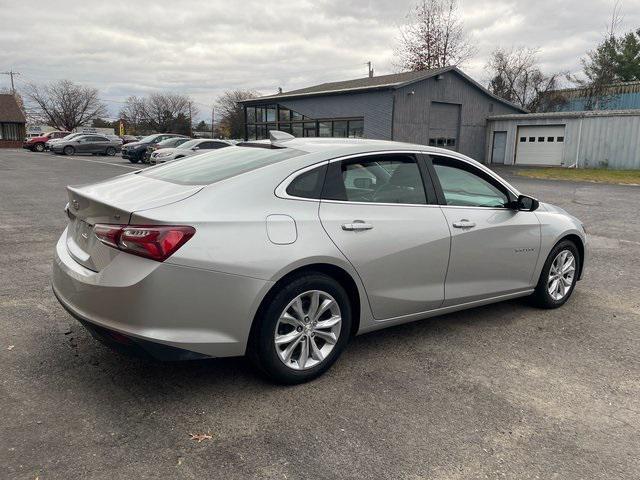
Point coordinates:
[[285, 249]]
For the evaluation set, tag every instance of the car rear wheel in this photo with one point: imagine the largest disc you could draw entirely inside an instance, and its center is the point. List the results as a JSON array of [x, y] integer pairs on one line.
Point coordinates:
[[39, 147], [111, 151], [558, 277], [303, 330], [133, 160], [69, 150]]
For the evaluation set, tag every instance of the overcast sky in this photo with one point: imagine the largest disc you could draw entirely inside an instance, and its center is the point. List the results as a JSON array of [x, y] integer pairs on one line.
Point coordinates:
[[202, 48]]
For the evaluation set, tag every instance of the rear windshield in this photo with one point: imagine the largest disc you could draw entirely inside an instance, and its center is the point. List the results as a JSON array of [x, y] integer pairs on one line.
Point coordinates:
[[223, 163]]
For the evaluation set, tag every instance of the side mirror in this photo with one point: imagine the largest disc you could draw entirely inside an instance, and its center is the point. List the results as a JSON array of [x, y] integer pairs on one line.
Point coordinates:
[[195, 148], [526, 203]]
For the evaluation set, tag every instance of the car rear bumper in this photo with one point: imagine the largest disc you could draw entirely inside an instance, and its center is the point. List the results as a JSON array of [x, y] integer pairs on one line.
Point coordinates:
[[147, 305]]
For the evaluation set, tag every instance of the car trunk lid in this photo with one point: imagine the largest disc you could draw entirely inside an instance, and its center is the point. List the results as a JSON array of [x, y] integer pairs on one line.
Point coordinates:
[[112, 202]]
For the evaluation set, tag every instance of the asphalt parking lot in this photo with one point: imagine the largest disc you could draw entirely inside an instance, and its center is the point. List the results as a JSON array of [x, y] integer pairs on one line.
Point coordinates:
[[503, 391]]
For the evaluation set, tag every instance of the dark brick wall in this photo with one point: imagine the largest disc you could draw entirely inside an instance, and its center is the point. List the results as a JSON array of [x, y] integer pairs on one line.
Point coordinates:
[[10, 144]]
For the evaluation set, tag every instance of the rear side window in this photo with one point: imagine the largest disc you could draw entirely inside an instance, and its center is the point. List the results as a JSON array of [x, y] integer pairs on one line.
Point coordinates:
[[376, 179], [219, 164], [308, 184]]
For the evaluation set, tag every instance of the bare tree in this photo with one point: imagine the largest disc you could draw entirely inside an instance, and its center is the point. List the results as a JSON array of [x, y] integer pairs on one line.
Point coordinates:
[[232, 113], [433, 37], [169, 112], [134, 114], [66, 105], [516, 77]]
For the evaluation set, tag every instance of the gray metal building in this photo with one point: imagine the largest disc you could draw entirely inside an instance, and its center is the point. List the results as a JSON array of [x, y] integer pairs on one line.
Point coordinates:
[[595, 139], [441, 107]]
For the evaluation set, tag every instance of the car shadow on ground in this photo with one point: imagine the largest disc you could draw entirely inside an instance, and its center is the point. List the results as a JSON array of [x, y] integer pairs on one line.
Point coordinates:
[[216, 373]]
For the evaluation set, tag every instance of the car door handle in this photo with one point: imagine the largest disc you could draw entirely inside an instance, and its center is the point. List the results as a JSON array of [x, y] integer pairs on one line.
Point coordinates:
[[464, 224], [356, 226]]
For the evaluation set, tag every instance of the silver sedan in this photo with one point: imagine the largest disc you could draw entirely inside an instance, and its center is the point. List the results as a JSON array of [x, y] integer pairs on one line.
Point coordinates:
[[285, 249], [192, 147]]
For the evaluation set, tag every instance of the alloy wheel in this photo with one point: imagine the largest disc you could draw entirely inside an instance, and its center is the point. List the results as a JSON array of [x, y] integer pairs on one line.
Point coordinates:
[[308, 330], [561, 275]]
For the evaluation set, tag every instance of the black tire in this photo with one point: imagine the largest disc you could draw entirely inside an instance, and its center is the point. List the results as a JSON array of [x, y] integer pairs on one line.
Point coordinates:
[[133, 160], [111, 151], [68, 150], [39, 147], [541, 297], [262, 349]]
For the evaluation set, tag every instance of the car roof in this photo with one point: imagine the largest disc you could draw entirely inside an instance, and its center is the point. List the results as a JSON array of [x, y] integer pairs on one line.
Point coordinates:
[[318, 149], [333, 145]]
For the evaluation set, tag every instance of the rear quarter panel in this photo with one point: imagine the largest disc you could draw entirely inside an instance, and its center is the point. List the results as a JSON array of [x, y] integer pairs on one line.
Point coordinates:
[[230, 218]]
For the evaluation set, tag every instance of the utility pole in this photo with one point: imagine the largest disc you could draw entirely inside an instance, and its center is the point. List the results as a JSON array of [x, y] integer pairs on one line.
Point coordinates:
[[190, 121], [213, 113], [11, 73], [370, 69]]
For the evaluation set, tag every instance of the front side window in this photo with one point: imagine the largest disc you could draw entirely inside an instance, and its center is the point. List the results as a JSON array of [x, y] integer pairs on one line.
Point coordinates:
[[376, 179], [465, 186]]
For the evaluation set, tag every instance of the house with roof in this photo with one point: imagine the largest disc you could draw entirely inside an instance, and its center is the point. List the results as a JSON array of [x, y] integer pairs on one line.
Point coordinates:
[[12, 122], [441, 107]]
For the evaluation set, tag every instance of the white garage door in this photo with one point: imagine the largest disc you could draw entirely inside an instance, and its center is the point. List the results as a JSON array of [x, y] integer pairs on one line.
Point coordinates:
[[540, 145]]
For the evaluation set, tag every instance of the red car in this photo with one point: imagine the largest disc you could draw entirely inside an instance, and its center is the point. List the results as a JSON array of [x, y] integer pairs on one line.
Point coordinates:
[[36, 144]]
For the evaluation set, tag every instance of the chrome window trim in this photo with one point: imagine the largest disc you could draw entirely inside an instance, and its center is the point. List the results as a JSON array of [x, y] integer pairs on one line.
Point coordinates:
[[281, 189]]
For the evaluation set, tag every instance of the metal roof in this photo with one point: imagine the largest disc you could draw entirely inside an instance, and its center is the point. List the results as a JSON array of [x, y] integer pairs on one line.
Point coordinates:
[[382, 82], [9, 109], [573, 114]]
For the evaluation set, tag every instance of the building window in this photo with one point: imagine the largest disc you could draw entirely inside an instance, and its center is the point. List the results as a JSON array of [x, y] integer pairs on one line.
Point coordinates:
[[310, 130], [271, 114], [340, 128], [251, 115], [356, 128], [324, 129], [532, 139], [284, 114], [550, 139], [540, 139], [523, 139], [262, 119], [560, 139]]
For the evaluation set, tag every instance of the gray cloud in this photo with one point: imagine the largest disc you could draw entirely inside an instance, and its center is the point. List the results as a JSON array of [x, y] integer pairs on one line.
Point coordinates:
[[204, 47]]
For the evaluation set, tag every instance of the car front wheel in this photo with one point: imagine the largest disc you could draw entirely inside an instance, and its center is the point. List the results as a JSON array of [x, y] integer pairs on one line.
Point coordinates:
[[39, 147], [69, 150], [111, 151], [558, 277], [303, 330]]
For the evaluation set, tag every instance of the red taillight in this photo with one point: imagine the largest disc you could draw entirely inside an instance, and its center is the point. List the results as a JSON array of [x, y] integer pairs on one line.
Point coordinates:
[[157, 242]]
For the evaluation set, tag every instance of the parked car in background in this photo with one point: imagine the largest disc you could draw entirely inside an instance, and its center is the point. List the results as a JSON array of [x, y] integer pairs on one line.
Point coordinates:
[[37, 144], [285, 250], [95, 144], [135, 151], [47, 145], [168, 143], [187, 149], [128, 139]]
